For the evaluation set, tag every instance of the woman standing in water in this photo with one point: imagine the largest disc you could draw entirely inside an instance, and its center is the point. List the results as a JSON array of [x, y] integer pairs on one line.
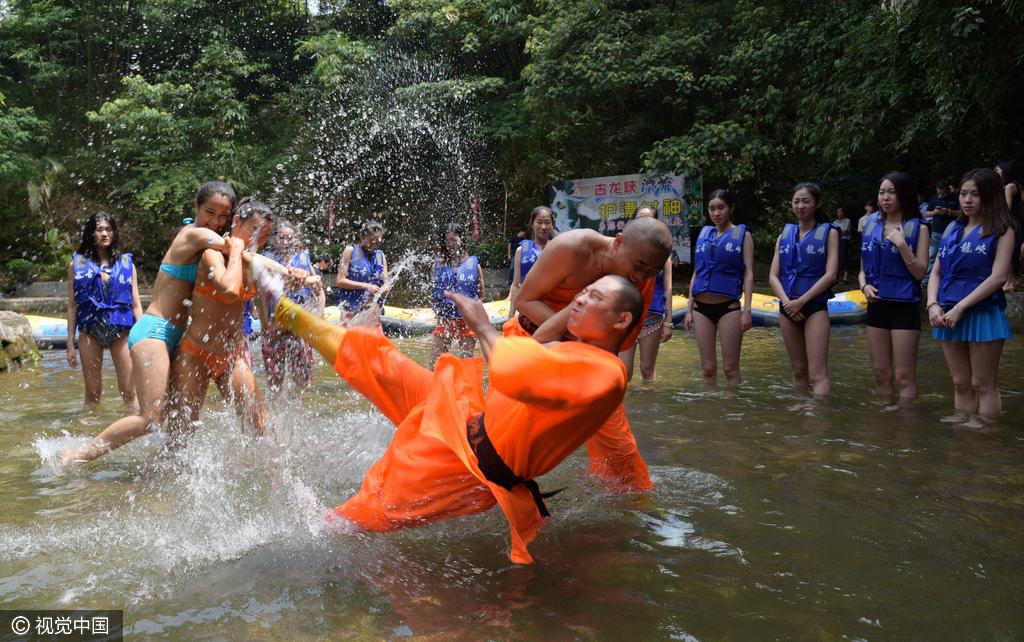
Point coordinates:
[[213, 345], [965, 293], [282, 350], [657, 328], [103, 304], [154, 338], [454, 271], [894, 257], [363, 271], [723, 271], [803, 270], [542, 230]]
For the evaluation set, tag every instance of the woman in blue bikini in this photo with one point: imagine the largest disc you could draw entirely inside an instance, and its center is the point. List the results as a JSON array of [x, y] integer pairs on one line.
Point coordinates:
[[154, 339]]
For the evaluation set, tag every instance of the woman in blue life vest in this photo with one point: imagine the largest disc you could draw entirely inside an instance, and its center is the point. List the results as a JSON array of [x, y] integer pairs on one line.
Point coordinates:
[[965, 293], [103, 304], [723, 272], [804, 267], [894, 258], [453, 271], [540, 231], [657, 324], [362, 272], [282, 350]]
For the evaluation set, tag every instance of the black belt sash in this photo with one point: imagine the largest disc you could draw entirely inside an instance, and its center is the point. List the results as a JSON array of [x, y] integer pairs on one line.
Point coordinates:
[[497, 471], [529, 326]]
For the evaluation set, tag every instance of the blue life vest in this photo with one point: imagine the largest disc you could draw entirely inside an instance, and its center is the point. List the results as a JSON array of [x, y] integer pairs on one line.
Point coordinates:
[[884, 267], [464, 279], [803, 261], [658, 301], [966, 261], [719, 262], [247, 318], [527, 257], [300, 260], [96, 301], [365, 271]]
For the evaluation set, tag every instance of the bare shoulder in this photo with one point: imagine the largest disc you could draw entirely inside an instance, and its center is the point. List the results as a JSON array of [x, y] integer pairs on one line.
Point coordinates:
[[579, 242]]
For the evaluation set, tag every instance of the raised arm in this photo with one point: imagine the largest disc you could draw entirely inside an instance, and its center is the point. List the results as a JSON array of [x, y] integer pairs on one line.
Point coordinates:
[[225, 277]]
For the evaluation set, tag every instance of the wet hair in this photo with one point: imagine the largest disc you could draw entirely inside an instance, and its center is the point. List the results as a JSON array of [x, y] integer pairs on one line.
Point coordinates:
[[815, 191], [1011, 172], [87, 247], [650, 208], [650, 232], [629, 300], [442, 237], [995, 216], [906, 193], [248, 207], [210, 189], [370, 226], [722, 195], [534, 213]]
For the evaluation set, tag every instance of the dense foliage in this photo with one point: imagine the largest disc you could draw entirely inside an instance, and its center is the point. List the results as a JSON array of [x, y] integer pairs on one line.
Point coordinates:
[[407, 109]]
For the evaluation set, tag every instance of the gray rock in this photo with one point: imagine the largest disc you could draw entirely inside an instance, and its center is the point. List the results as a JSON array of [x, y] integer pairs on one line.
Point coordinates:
[[16, 344]]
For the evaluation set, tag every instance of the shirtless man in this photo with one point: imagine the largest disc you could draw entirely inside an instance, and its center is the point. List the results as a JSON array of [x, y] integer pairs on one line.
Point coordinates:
[[570, 262]]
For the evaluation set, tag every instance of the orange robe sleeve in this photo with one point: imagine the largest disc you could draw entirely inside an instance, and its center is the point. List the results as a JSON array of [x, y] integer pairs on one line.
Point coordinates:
[[526, 371]]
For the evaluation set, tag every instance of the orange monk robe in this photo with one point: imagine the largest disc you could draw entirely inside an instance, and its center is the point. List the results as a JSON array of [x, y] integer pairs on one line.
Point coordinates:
[[542, 405], [613, 452]]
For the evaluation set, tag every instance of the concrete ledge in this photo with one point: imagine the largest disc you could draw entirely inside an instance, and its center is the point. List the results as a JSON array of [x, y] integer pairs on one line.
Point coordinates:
[[46, 305]]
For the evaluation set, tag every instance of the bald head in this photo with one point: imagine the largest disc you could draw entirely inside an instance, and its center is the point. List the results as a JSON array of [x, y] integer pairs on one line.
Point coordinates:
[[650, 236], [627, 299]]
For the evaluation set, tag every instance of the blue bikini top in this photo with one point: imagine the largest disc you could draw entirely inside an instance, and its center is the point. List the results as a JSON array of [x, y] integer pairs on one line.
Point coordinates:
[[185, 273]]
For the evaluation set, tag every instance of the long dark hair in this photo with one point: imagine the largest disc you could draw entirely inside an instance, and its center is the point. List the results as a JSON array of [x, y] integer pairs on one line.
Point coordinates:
[[87, 247], [995, 216], [906, 193], [442, 247], [815, 191]]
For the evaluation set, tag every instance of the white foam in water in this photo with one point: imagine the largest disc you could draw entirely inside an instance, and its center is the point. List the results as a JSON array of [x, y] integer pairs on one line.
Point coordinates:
[[220, 497]]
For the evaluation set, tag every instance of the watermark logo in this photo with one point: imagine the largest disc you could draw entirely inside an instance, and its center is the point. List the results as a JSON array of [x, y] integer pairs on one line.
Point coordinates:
[[24, 625]]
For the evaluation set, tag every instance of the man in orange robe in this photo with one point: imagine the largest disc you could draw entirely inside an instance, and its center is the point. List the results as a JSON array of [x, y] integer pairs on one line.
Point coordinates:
[[457, 451], [570, 262]]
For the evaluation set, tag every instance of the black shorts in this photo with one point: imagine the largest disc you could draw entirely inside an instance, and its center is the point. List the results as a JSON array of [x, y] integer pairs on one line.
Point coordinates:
[[894, 315], [807, 311], [715, 311]]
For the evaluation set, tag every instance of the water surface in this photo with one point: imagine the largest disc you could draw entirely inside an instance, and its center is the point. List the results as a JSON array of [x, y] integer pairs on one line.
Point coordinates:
[[774, 517]]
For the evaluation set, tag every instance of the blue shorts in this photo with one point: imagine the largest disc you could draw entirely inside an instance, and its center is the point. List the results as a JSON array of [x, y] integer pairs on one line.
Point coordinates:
[[151, 326], [977, 325]]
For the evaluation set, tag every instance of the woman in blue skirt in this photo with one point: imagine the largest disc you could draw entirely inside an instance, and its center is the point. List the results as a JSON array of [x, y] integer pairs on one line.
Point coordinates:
[[965, 292]]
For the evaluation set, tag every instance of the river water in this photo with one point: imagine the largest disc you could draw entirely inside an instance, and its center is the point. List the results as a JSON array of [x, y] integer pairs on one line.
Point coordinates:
[[774, 517]]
